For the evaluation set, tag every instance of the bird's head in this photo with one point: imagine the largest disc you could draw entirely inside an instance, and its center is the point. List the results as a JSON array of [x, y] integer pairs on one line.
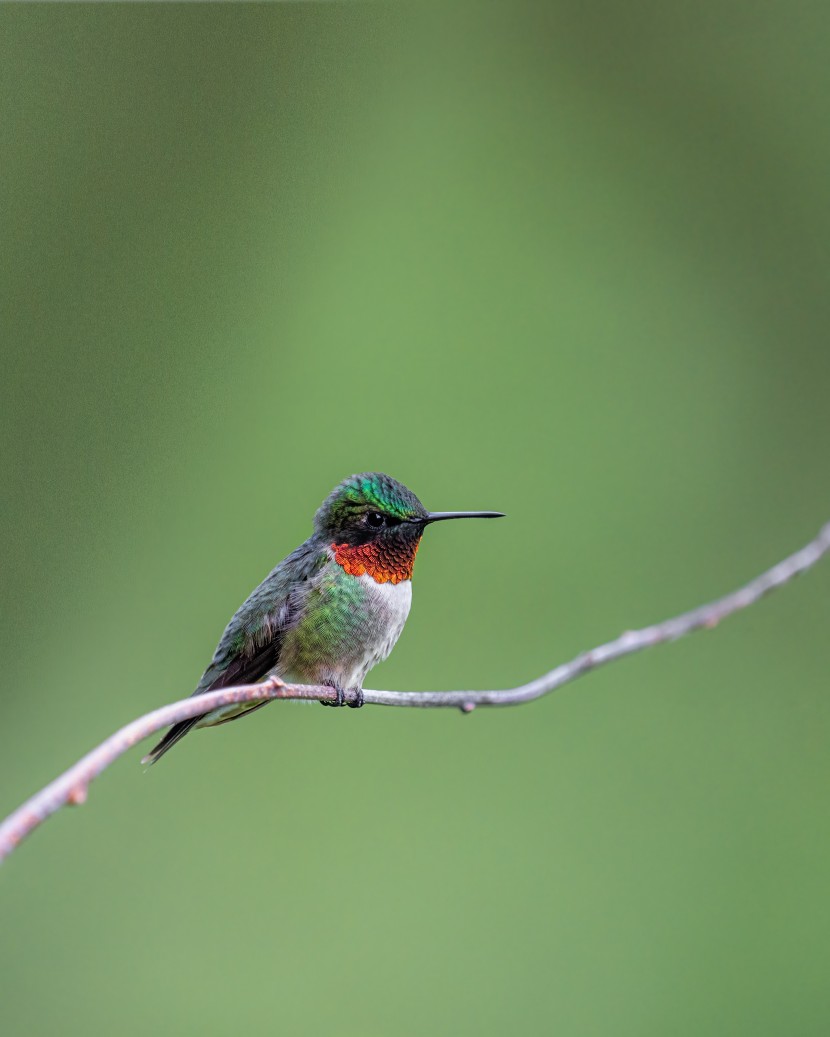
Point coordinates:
[[374, 524]]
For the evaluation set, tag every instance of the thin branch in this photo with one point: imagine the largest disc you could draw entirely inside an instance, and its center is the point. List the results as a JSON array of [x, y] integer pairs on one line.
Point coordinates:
[[71, 787]]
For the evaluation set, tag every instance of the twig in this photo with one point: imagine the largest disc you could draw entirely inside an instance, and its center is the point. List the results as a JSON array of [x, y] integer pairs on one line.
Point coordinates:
[[71, 787]]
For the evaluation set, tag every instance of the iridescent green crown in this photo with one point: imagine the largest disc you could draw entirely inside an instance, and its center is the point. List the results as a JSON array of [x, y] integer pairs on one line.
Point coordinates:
[[367, 491]]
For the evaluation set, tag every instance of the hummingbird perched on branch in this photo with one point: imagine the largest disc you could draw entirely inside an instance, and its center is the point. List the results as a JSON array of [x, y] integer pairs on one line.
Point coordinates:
[[333, 608]]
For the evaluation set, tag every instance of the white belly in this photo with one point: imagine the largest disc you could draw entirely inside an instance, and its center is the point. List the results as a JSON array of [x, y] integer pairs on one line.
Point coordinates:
[[346, 631], [389, 605]]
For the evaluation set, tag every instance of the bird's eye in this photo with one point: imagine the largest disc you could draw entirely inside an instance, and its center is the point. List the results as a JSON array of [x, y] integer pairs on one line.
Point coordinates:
[[374, 519]]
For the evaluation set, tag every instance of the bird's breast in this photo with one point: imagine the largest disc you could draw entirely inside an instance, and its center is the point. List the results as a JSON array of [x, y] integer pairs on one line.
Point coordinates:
[[349, 623], [390, 603]]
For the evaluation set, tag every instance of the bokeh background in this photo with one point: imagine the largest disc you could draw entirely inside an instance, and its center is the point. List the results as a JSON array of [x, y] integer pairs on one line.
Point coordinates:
[[567, 262]]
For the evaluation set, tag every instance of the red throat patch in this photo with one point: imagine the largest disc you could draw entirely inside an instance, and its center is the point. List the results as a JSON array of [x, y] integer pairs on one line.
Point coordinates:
[[384, 562]]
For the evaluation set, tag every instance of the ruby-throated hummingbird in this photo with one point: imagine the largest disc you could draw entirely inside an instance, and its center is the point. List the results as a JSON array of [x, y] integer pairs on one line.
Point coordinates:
[[334, 607]]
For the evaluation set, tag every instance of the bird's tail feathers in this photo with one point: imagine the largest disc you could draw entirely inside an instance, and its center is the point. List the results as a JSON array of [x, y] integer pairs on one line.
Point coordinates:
[[176, 732]]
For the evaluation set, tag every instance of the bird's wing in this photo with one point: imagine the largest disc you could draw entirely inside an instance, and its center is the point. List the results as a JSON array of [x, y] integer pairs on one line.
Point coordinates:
[[251, 644]]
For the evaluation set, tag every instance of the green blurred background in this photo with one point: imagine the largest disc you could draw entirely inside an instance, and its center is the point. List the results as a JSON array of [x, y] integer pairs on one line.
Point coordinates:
[[571, 263]]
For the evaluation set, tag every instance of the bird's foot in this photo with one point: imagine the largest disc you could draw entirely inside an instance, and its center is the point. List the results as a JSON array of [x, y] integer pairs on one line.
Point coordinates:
[[341, 698]]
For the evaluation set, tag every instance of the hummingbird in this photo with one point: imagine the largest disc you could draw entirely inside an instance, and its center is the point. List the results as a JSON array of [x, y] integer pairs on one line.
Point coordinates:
[[333, 608]]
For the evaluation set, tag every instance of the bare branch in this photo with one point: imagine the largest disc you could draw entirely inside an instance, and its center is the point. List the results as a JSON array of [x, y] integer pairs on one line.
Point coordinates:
[[71, 787]]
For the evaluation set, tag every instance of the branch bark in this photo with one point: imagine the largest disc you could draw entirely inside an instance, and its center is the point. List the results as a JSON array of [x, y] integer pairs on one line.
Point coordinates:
[[71, 787]]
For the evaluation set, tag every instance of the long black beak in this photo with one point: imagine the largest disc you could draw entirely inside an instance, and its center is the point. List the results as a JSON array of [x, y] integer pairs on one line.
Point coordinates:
[[439, 516]]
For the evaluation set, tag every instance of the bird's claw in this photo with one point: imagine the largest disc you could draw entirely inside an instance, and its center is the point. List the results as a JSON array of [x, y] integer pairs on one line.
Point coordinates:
[[341, 698]]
